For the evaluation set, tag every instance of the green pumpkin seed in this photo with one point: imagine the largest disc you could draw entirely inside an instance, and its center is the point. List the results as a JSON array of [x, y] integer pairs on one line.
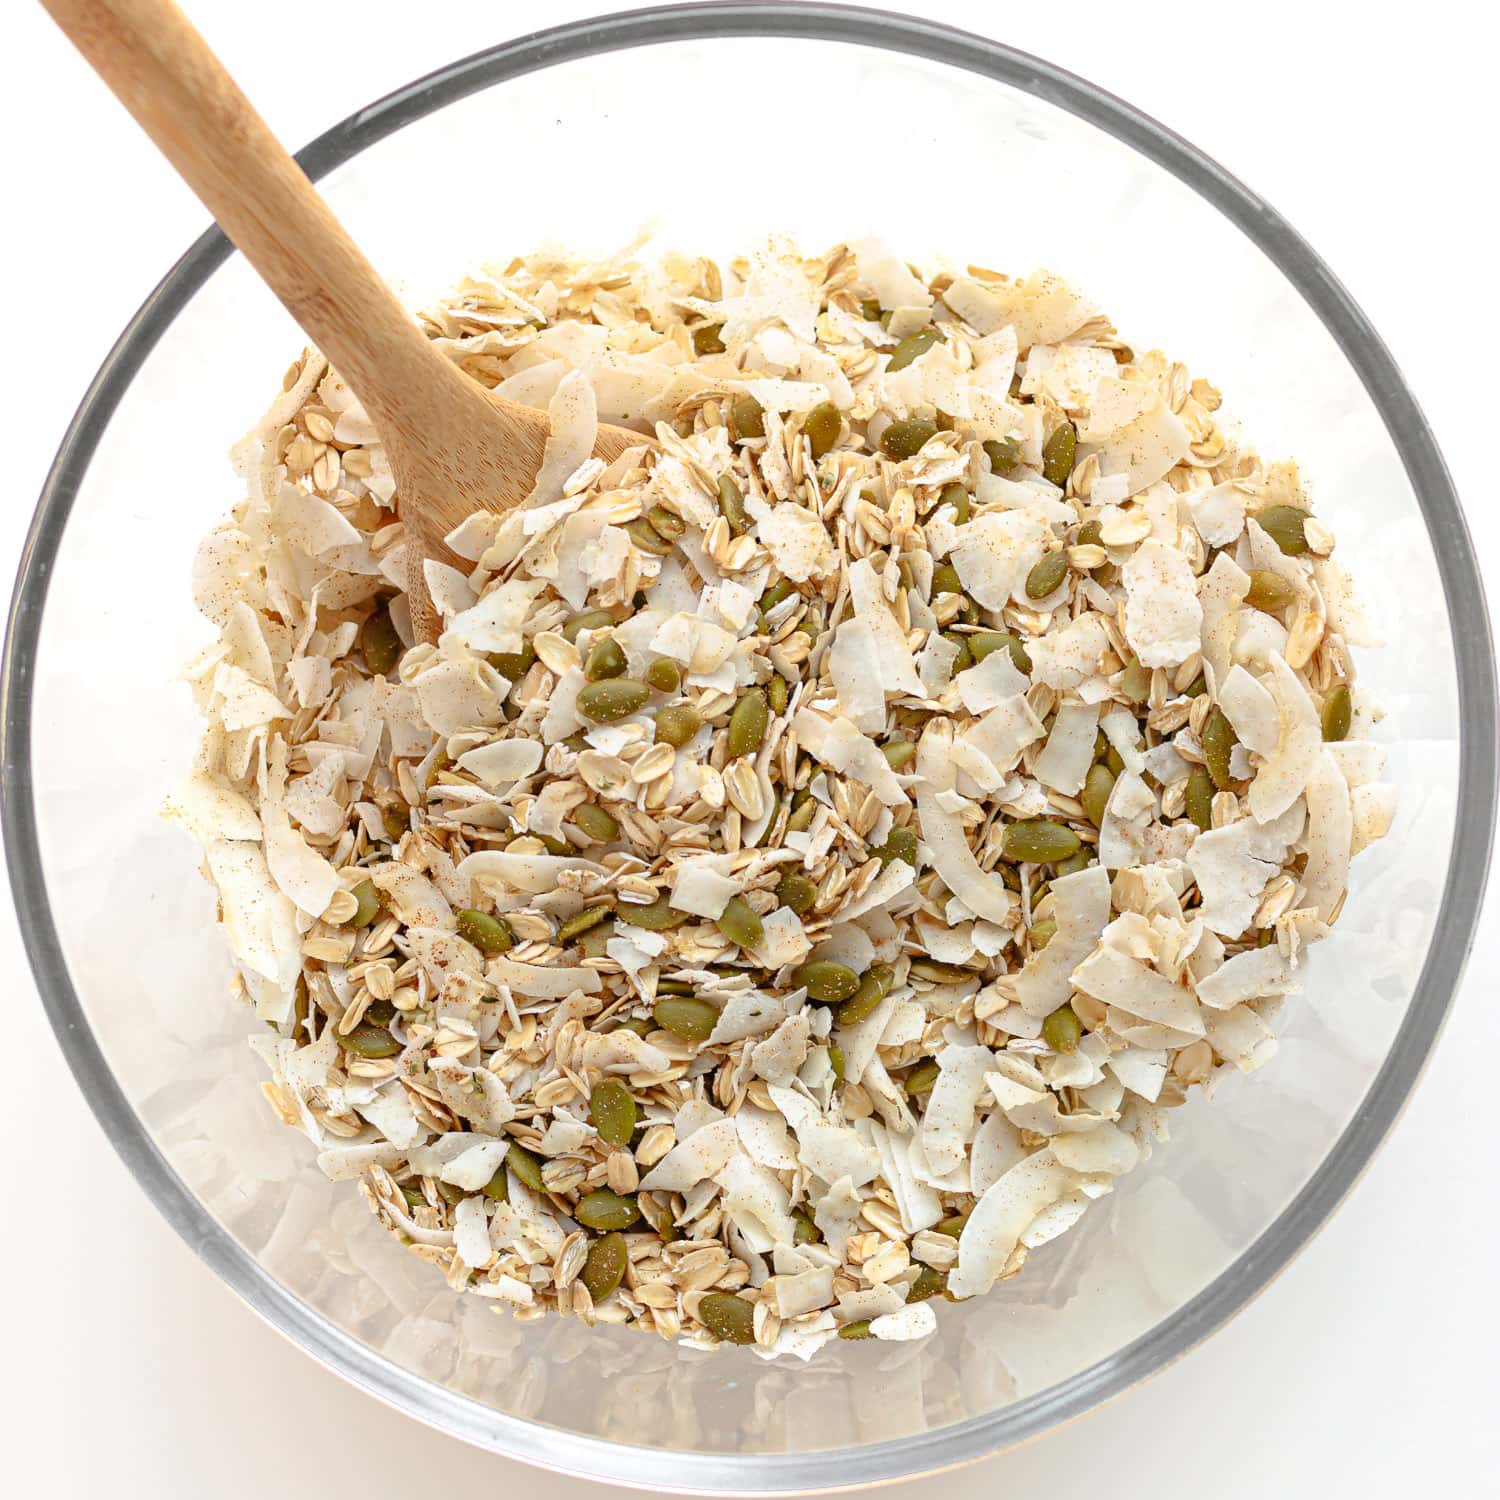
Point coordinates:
[[655, 916], [368, 904], [1218, 739], [648, 538], [528, 1168], [380, 643], [498, 1187], [802, 816], [1058, 453], [958, 497], [691, 1019], [1074, 862], [796, 892], [449, 1192], [639, 1024], [395, 822], [952, 1226], [859, 1329], [605, 660], [1039, 841], [783, 588], [740, 924], [939, 973], [899, 754], [513, 665], [440, 764], [874, 985], [821, 426], [665, 523], [806, 1232], [600, 826], [612, 1109], [1135, 682], [1338, 713], [1091, 534], [929, 1283], [707, 340], [1199, 798], [1096, 789], [586, 619], [1269, 591], [732, 506], [900, 843], [1285, 525], [907, 437], [747, 419], [663, 676], [945, 580], [604, 1269], [922, 1077], [1047, 576], [727, 1317], [836, 1061], [1003, 453], [489, 934], [827, 982], [914, 346], [1042, 933], [1062, 1030], [613, 699], [1115, 761], [605, 1210], [581, 921], [982, 642], [677, 724], [552, 845], [367, 1040], [778, 694], [748, 723]]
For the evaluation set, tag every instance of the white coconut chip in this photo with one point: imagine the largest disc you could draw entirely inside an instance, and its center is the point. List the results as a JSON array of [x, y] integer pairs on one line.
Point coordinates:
[[1231, 866], [839, 744], [1218, 513], [995, 552], [1251, 711], [832, 1152], [993, 681], [1064, 761], [1329, 838], [752, 1012], [1240, 1037], [1285, 771], [765, 1139], [1080, 907], [1063, 658], [796, 538], [1126, 983], [1163, 618], [948, 1119], [1145, 448], [533, 873], [703, 1155], [756, 1203], [888, 277], [947, 844], [503, 762], [1248, 976], [914, 1321], [1220, 594], [1002, 1216], [698, 886]]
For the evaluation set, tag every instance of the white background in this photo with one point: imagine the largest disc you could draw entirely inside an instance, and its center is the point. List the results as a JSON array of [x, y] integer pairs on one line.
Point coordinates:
[[127, 1370]]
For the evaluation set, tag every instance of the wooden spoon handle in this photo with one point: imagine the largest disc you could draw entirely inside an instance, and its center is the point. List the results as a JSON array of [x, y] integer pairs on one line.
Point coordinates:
[[164, 73]]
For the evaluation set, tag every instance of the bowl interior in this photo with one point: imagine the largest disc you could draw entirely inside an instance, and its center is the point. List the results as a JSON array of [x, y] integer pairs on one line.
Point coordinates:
[[939, 161]]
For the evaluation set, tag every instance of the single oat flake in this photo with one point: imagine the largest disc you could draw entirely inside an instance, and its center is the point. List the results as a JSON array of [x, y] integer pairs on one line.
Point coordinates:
[[665, 944]]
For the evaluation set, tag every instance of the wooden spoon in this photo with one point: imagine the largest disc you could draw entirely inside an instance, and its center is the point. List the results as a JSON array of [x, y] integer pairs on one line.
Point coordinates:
[[454, 447]]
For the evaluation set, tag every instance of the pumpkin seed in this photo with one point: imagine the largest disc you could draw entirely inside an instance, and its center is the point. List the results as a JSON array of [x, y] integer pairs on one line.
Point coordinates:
[[1269, 591], [677, 724], [913, 346], [606, 1210], [747, 724], [727, 1317], [1062, 1030], [600, 826], [581, 921], [945, 580], [907, 437], [605, 660], [707, 340], [1003, 454], [664, 676], [604, 1269], [821, 426], [586, 619], [958, 497], [368, 904], [929, 1283], [613, 699], [367, 1040], [655, 916], [1058, 453], [982, 642], [952, 1226], [1096, 789], [740, 924], [1285, 525], [922, 1077], [874, 985], [1218, 739], [796, 892], [826, 982], [527, 1168], [1047, 576], [747, 419], [732, 506], [859, 1329], [489, 934], [689, 1018], [900, 843], [380, 643], [1039, 841], [899, 754], [1199, 798], [1338, 713], [1043, 932]]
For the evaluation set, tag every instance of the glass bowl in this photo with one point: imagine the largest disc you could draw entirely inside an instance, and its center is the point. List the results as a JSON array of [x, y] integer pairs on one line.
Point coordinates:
[[894, 120]]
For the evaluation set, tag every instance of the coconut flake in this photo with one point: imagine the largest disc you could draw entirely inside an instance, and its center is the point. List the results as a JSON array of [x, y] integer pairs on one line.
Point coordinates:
[[1285, 772], [1002, 1216], [1069, 752], [1163, 618], [993, 681], [995, 552], [703, 1155], [948, 1120], [1251, 711], [943, 833], [1330, 834], [1080, 907], [1126, 983], [1063, 658], [1248, 976]]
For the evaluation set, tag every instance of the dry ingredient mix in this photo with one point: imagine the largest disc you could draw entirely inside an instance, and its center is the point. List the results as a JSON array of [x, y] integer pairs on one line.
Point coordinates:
[[821, 847]]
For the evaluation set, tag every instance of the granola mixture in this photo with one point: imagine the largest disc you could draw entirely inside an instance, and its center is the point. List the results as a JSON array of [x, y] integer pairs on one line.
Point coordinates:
[[821, 847]]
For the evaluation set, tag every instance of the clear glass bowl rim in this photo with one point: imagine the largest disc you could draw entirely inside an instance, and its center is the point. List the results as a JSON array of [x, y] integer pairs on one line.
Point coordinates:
[[977, 1437]]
